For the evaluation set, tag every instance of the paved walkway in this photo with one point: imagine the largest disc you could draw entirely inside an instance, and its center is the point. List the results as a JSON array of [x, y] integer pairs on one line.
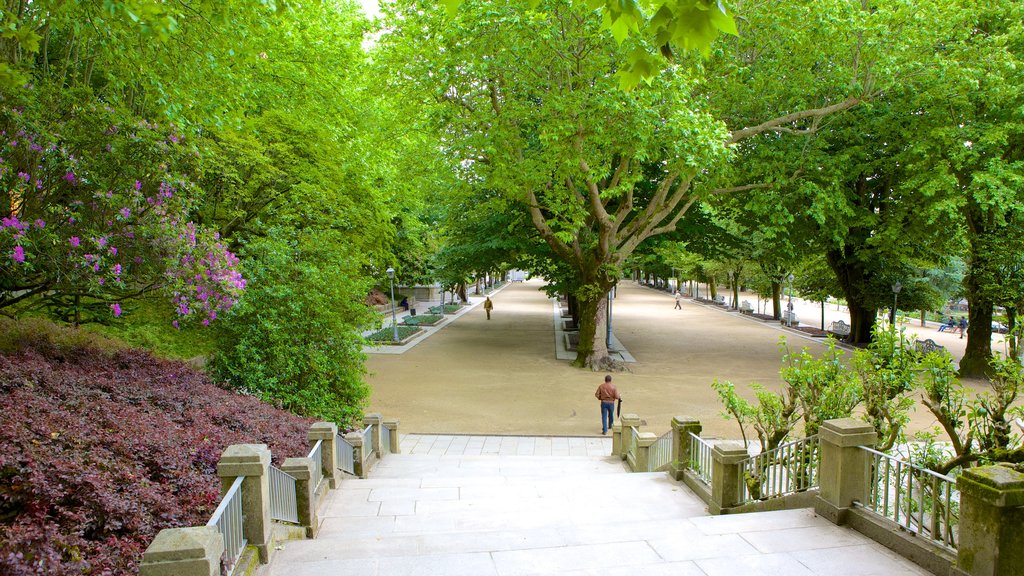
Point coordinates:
[[450, 506]]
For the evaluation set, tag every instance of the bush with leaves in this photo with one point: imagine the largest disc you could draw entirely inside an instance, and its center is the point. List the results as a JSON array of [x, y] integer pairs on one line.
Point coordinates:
[[293, 338], [104, 447]]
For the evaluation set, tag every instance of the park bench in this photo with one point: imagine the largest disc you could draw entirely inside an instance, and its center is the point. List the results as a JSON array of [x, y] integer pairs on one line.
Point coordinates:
[[746, 308], [720, 300], [927, 346], [789, 318], [839, 328]]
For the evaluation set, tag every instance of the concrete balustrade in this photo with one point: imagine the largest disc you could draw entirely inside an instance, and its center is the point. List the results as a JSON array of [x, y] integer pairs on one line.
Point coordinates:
[[725, 475], [326, 432], [392, 426], [197, 551], [355, 440], [616, 438], [843, 473], [306, 498], [991, 522], [682, 427], [376, 420], [643, 450]]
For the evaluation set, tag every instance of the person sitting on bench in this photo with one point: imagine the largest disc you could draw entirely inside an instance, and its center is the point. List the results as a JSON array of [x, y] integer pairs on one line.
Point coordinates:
[[949, 325]]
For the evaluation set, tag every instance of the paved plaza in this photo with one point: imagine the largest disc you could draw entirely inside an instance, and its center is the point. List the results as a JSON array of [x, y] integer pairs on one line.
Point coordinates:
[[454, 505], [503, 376]]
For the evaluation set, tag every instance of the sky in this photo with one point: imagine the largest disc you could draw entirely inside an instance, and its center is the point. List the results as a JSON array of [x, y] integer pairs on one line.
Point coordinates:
[[370, 7]]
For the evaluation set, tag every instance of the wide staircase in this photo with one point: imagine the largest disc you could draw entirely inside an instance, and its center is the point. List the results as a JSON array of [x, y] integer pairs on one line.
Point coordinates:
[[518, 506]]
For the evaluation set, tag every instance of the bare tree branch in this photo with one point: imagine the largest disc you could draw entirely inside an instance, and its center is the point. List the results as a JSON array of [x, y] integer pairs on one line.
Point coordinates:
[[777, 124]]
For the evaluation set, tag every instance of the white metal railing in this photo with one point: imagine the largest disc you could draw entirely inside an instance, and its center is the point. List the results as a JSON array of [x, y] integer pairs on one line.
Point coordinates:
[[368, 447], [385, 440], [923, 502], [659, 455], [790, 468], [700, 458], [228, 519], [282, 496], [316, 455], [345, 455]]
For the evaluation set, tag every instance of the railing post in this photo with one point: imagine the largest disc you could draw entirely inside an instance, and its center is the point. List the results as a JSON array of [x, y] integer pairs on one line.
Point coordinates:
[[305, 492], [844, 471], [194, 551], [355, 439], [251, 461], [617, 438], [628, 421], [377, 420], [643, 450], [682, 427], [991, 522], [325, 433], [392, 426], [725, 475]]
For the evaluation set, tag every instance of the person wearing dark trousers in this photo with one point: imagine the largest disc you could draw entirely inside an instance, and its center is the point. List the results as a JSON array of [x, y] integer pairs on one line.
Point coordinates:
[[607, 393], [963, 326], [678, 298]]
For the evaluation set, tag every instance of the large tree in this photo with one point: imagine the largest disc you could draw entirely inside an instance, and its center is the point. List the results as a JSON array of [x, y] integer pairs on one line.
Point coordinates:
[[529, 102]]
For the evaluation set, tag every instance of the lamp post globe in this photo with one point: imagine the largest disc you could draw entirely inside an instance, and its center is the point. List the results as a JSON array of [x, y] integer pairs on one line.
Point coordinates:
[[394, 316], [896, 287]]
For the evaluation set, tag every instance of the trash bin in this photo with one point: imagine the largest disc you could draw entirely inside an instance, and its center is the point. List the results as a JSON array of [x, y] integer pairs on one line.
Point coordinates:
[[412, 311]]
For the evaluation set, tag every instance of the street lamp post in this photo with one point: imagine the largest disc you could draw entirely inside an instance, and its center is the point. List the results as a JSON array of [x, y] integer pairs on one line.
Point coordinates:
[[789, 311], [895, 294], [394, 316]]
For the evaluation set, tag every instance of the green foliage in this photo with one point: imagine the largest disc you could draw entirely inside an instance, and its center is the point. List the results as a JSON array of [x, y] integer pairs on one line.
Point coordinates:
[[824, 385], [887, 370], [422, 319], [387, 335], [293, 338], [772, 418]]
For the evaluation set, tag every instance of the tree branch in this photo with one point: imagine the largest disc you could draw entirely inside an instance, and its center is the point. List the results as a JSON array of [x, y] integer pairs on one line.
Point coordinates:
[[776, 124]]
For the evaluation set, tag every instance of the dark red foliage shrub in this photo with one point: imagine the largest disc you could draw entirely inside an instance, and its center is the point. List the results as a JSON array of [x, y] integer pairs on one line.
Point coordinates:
[[101, 450]]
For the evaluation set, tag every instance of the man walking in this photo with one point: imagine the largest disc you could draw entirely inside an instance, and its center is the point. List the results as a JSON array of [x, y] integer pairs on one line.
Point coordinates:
[[607, 394], [488, 306], [678, 298]]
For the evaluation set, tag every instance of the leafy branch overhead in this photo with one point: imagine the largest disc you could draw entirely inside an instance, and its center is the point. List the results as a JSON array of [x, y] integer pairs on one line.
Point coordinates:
[[665, 25]]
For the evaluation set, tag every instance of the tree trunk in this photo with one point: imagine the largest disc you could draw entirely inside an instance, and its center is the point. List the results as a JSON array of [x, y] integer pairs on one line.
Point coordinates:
[[862, 324], [978, 352], [735, 290], [592, 351], [777, 300], [1012, 337]]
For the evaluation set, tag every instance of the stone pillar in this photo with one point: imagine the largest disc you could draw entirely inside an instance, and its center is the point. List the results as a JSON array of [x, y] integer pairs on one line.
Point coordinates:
[[991, 522], [355, 439], [845, 468], [628, 421], [326, 432], [253, 462], [682, 427], [377, 420], [617, 439], [392, 426], [184, 552], [305, 492], [725, 475], [643, 450]]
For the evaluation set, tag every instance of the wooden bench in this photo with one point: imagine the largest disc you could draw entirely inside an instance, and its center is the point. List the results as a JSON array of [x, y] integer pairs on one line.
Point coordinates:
[[746, 308], [839, 328], [928, 346]]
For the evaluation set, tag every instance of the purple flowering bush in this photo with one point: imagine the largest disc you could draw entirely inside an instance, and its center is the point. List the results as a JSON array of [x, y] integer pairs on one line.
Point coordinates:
[[97, 210], [104, 447]]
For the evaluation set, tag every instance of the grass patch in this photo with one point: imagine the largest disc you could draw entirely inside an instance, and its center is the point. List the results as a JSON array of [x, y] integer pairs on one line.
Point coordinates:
[[448, 309], [424, 320], [387, 335]]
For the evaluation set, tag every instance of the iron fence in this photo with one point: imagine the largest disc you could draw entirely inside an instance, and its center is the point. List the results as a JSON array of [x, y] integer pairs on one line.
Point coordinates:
[[316, 455], [923, 502], [229, 520], [345, 454], [700, 458], [630, 442], [659, 455], [790, 468], [368, 448], [282, 496]]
